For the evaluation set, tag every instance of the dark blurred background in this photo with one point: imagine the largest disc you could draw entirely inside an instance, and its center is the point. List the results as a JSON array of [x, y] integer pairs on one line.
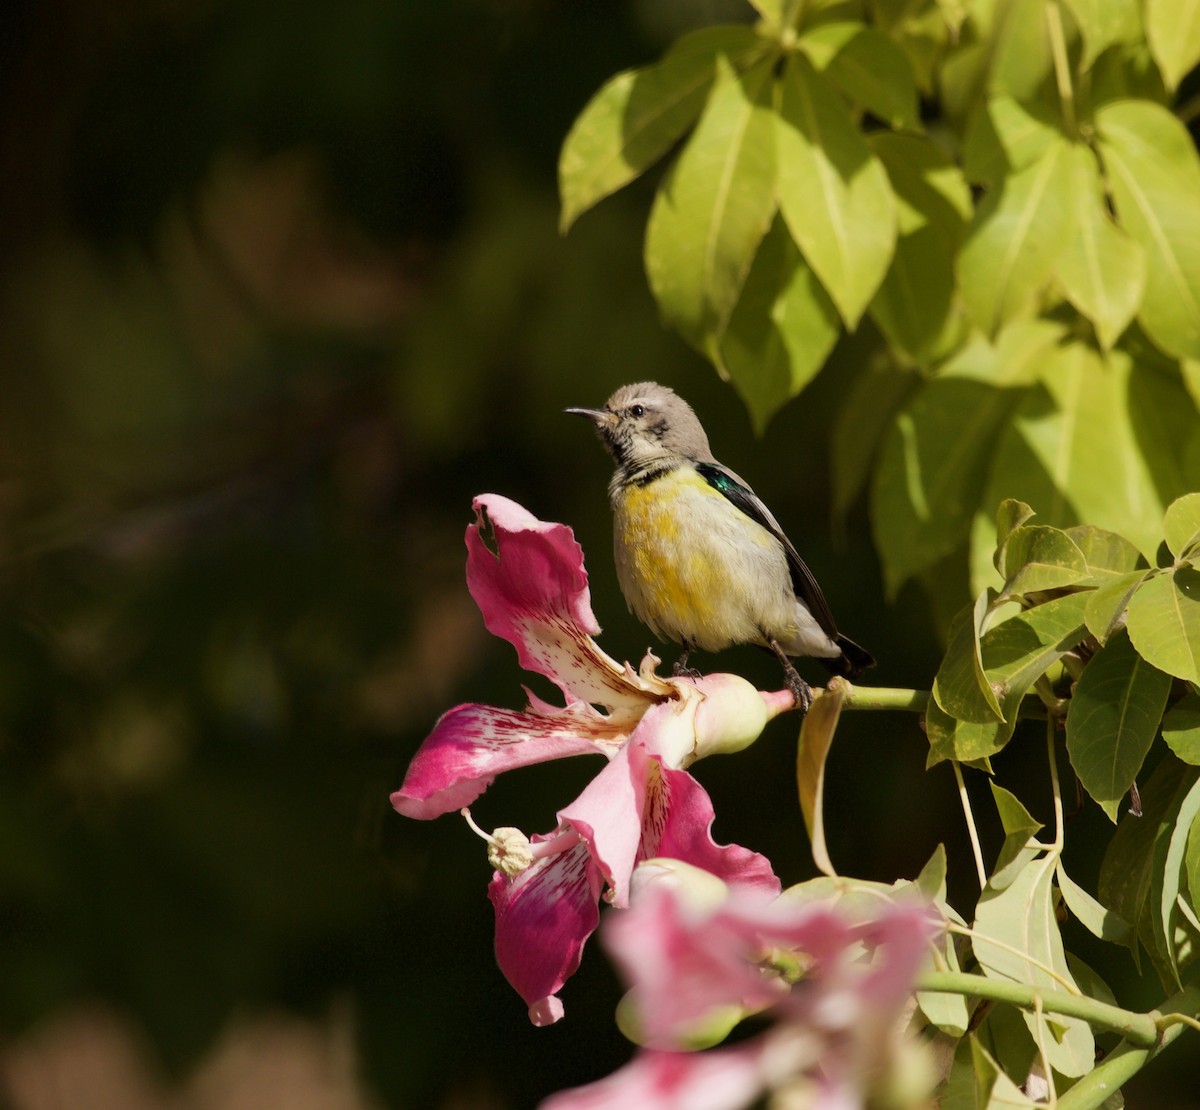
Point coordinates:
[[281, 290]]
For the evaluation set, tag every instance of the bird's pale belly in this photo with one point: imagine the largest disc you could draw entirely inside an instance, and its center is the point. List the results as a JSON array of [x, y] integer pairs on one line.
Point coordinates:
[[695, 569]]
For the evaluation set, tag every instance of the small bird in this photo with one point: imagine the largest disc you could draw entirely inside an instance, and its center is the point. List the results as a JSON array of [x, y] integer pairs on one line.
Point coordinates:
[[700, 559]]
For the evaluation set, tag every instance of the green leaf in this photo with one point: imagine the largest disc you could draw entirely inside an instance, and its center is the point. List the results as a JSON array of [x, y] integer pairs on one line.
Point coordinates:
[[1173, 32], [1010, 514], [1010, 252], [1106, 605], [931, 471], [714, 207], [780, 14], [1006, 1037], [1094, 987], [1181, 731], [867, 410], [1190, 369], [1022, 62], [1192, 864], [1019, 829], [1019, 650], [1006, 136], [1164, 622], [1166, 424], [1127, 72], [960, 686], [913, 304], [638, 115], [942, 732], [993, 1089], [951, 1013], [1129, 868], [931, 882], [1016, 938], [1104, 23], [781, 331], [1015, 654], [833, 191], [1113, 719], [868, 67], [935, 459], [1102, 270], [1036, 557], [1181, 527], [1154, 176], [1071, 449], [1100, 922], [1174, 873], [816, 738], [1108, 555]]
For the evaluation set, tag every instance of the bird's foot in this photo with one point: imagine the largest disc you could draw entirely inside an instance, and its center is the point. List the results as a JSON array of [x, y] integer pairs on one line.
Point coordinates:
[[801, 691], [681, 669]]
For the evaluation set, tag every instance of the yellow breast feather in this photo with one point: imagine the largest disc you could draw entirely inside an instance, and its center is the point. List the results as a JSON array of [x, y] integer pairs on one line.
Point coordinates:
[[681, 550]]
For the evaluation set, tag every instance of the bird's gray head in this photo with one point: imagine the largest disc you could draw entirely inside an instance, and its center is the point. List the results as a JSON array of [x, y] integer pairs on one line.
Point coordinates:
[[645, 423]]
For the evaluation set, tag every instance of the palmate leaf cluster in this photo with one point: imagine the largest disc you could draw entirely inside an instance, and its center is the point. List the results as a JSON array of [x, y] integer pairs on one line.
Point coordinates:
[[997, 191], [1082, 614], [1103, 648]]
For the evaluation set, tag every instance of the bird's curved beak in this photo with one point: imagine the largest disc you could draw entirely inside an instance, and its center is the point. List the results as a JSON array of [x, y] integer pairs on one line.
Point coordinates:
[[599, 417]]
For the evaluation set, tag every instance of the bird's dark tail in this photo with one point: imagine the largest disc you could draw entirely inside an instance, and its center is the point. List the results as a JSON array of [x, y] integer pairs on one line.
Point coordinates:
[[852, 662]]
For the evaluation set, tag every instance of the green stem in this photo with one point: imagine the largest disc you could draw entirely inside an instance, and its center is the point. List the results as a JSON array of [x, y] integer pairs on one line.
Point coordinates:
[[895, 697], [969, 816], [1055, 788], [881, 697], [1062, 68], [1126, 1060], [1138, 1029], [1055, 706]]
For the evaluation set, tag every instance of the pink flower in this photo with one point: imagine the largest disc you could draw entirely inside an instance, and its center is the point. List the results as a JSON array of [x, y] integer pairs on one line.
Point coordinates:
[[528, 579], [699, 955], [717, 1080]]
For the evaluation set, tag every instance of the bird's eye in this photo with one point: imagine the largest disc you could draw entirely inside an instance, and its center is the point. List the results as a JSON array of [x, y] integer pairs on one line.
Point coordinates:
[[637, 410]]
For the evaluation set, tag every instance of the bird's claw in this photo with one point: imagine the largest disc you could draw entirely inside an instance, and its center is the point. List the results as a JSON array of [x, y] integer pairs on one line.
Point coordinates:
[[801, 692], [680, 670]]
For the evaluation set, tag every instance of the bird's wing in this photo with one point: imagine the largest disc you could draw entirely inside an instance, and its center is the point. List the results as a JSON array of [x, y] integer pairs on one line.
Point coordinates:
[[724, 481]]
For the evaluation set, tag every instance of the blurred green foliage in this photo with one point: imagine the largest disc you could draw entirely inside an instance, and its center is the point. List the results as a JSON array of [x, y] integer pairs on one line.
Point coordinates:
[[282, 289]]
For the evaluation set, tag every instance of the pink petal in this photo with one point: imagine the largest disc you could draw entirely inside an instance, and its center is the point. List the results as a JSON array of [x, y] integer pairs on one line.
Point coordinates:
[[677, 823], [687, 966], [721, 1079], [546, 1011], [471, 744], [534, 594], [608, 815], [543, 919], [686, 958], [902, 937]]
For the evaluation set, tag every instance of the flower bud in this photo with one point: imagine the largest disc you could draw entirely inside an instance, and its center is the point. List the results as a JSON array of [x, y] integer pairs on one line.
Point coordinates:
[[733, 713]]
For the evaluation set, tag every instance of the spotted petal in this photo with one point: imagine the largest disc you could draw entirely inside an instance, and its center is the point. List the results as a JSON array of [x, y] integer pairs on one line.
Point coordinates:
[[544, 917], [639, 806], [471, 744], [677, 822], [533, 591], [608, 816]]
